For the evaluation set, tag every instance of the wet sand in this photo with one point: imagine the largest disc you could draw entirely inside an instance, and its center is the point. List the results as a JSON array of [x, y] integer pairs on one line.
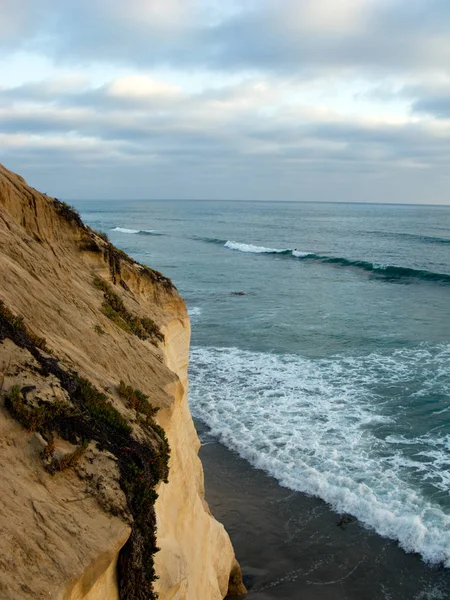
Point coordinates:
[[295, 547]]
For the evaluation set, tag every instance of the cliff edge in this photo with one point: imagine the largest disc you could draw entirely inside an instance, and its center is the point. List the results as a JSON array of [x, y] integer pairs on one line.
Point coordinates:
[[101, 487]]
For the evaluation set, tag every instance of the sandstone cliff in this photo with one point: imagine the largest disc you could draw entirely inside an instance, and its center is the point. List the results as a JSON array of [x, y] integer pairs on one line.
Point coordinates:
[[80, 452]]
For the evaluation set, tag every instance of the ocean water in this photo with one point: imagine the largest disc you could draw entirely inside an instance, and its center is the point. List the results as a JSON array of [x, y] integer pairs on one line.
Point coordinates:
[[320, 345]]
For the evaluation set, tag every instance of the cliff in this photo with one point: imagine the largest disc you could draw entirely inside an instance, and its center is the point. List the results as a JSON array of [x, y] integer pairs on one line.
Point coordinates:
[[94, 420]]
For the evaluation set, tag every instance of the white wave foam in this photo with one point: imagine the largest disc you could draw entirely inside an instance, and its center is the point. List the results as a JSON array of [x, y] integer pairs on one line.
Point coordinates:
[[133, 231], [254, 249], [194, 311], [263, 250], [125, 230], [322, 427], [299, 254]]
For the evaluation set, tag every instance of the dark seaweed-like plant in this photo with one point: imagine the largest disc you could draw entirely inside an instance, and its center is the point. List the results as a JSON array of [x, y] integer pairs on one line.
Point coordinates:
[[91, 416]]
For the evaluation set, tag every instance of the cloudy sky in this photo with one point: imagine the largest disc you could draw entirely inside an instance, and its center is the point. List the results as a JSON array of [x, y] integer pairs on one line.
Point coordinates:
[[319, 100]]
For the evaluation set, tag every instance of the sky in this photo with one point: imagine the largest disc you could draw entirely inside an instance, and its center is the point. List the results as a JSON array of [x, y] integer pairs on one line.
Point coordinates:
[[299, 100]]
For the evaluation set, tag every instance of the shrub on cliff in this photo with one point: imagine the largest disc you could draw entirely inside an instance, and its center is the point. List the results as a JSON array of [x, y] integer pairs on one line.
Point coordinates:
[[19, 323], [137, 400], [102, 235], [114, 308], [67, 212]]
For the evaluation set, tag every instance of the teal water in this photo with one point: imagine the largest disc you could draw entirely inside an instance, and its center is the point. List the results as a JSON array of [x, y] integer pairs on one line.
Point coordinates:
[[331, 371]]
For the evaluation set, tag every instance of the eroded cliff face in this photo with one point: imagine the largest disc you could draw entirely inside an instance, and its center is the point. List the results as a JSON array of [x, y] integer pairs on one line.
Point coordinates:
[[62, 533], [189, 537]]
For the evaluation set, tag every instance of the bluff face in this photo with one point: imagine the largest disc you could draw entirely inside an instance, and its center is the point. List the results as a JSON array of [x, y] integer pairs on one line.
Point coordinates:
[[94, 420]]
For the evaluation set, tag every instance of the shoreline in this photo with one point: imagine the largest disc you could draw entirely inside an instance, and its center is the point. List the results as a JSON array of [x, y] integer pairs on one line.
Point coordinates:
[[292, 546]]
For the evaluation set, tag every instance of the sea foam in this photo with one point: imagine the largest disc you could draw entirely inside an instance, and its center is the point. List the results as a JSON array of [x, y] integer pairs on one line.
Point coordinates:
[[125, 230], [135, 231], [323, 427], [194, 311], [254, 249]]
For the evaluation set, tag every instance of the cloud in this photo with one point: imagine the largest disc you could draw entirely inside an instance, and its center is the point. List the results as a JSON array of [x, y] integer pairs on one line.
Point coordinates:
[[428, 95], [213, 98], [264, 35], [140, 121], [431, 97], [141, 86], [21, 21], [437, 106]]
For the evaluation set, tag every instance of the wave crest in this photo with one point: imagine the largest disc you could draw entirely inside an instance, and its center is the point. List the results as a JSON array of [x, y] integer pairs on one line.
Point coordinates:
[[255, 249], [386, 271], [136, 231]]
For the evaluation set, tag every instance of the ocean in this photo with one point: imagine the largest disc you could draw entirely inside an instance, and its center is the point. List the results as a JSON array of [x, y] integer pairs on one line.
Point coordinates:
[[320, 347]]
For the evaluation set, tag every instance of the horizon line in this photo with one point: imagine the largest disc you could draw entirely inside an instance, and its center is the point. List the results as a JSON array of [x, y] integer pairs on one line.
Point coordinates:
[[255, 201]]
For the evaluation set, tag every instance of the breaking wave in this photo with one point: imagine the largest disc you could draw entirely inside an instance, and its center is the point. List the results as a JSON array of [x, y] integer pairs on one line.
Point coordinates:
[[390, 272], [255, 249], [136, 231], [333, 428]]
